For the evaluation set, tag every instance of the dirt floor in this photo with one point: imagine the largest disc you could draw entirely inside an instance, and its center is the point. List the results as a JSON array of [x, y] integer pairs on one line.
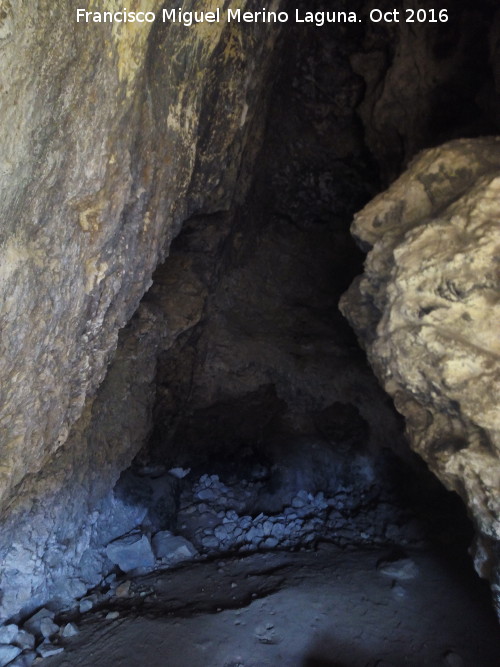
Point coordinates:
[[328, 607]]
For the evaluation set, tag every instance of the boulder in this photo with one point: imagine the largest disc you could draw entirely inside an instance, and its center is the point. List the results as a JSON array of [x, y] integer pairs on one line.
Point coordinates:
[[131, 552], [427, 312], [69, 630], [173, 548], [8, 653], [24, 660], [48, 628], [8, 633], [47, 650], [34, 623], [25, 640]]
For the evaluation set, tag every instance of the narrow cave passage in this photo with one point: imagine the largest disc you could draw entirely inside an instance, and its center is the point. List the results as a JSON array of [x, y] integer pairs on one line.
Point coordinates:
[[274, 513], [262, 391]]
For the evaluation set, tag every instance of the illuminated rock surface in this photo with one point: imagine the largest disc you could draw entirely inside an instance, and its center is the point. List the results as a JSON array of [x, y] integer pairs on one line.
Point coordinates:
[[427, 312]]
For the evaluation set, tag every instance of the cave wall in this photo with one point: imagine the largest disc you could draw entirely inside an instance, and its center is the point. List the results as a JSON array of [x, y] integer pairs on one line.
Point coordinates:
[[264, 350], [110, 141], [68, 254], [426, 310], [347, 115], [426, 85]]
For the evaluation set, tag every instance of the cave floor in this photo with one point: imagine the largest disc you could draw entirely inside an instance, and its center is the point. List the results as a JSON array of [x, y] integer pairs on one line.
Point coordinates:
[[328, 607]]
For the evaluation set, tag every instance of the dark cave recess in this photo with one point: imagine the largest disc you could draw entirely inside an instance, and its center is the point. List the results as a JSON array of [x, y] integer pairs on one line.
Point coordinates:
[[265, 373], [258, 286]]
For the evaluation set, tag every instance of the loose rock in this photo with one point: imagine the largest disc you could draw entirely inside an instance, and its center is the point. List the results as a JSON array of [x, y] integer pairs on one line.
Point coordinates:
[[85, 606], [24, 660], [48, 628], [24, 640], [112, 615], [8, 653], [8, 633], [122, 591], [173, 548], [131, 552], [69, 630], [47, 649], [33, 624]]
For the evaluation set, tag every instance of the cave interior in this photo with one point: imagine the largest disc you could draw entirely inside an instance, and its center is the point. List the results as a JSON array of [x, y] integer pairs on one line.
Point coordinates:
[[264, 432], [259, 377]]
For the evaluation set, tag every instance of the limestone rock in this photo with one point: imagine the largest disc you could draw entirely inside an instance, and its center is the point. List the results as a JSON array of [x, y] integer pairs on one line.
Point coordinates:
[[123, 590], [86, 220], [69, 630], [25, 640], [34, 623], [173, 548], [427, 311], [112, 615], [115, 141], [8, 633], [110, 139], [48, 628], [406, 89], [24, 660], [8, 653], [46, 649], [131, 552], [55, 109], [85, 606]]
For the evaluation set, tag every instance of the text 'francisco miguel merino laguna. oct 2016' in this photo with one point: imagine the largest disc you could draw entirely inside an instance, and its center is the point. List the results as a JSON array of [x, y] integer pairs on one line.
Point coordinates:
[[318, 18]]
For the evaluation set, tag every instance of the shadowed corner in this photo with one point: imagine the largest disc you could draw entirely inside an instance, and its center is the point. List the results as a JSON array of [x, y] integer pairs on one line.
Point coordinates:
[[326, 651]]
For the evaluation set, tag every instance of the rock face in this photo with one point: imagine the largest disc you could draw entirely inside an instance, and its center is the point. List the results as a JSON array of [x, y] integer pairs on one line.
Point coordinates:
[[422, 87], [427, 312], [109, 142]]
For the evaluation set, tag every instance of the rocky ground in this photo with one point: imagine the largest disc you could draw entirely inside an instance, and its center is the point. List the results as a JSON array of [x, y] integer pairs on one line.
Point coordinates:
[[323, 607], [327, 546]]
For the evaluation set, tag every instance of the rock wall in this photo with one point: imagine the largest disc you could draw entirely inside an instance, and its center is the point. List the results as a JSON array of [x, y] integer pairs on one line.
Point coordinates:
[[425, 86], [427, 310], [264, 349], [109, 142]]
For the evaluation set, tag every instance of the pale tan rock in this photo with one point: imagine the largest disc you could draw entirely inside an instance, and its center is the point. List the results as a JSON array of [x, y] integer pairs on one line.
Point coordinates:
[[122, 591], [108, 141], [427, 311], [111, 137]]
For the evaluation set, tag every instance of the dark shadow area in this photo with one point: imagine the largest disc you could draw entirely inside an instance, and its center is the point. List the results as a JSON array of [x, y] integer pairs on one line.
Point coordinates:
[[262, 381]]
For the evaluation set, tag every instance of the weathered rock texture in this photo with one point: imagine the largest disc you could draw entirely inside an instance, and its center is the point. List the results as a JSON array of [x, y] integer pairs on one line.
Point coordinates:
[[427, 312], [424, 85], [109, 142]]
